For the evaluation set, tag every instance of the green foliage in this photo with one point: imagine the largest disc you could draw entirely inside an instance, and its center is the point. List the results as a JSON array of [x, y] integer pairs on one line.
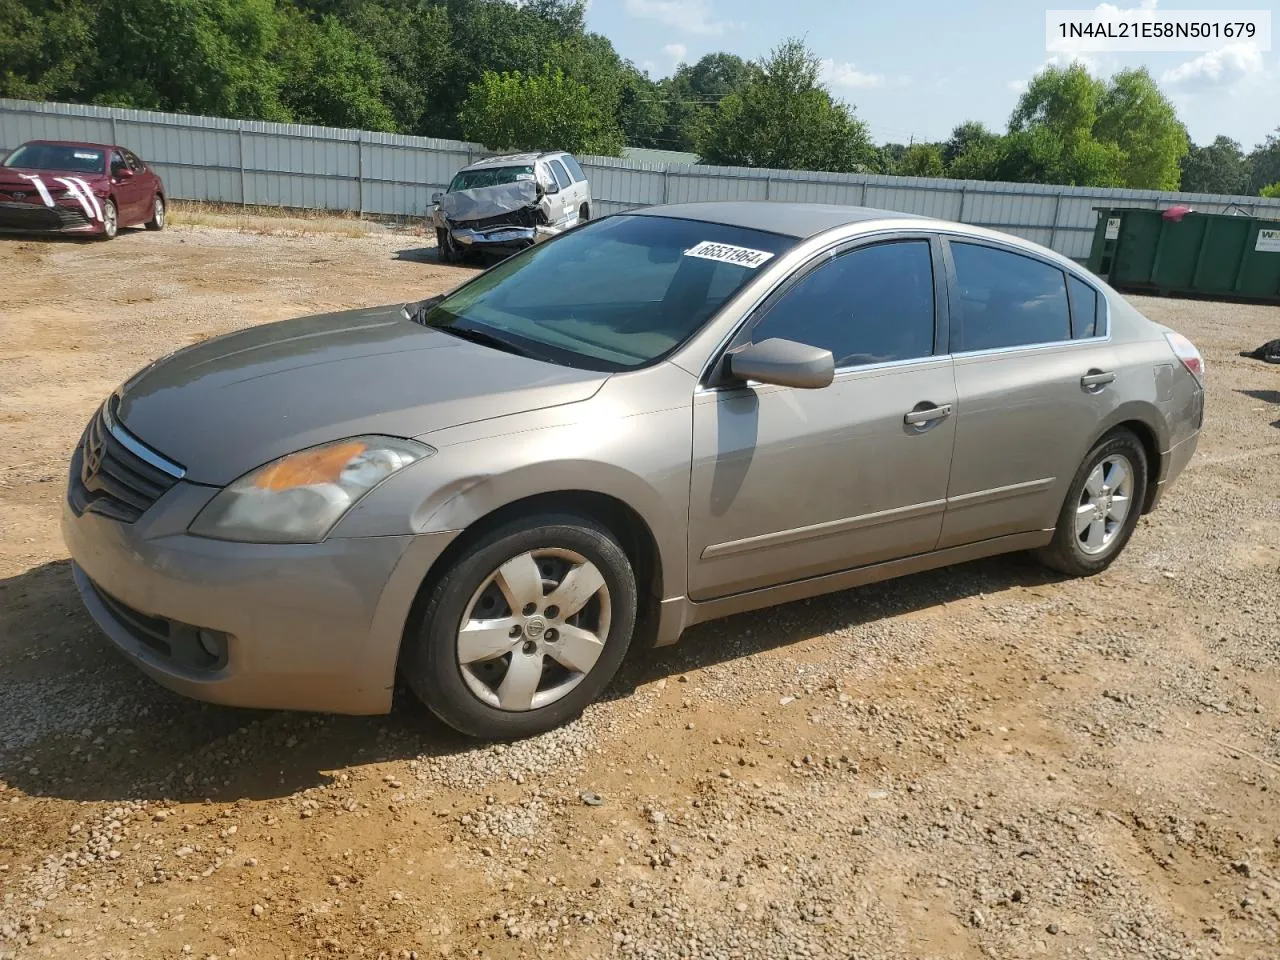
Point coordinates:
[[1264, 163], [412, 40], [783, 118], [1220, 167], [921, 160], [1138, 119], [690, 97], [1272, 191], [332, 76], [46, 48], [967, 137], [190, 56], [542, 111]]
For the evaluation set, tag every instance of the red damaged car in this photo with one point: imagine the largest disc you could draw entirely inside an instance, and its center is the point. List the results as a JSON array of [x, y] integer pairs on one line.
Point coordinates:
[[51, 186]]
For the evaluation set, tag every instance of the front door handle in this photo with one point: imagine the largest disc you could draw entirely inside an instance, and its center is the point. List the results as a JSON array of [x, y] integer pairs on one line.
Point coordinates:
[[923, 415], [1095, 380]]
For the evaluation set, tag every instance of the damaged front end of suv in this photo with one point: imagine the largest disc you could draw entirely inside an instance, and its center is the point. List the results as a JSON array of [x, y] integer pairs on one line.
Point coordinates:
[[508, 216]]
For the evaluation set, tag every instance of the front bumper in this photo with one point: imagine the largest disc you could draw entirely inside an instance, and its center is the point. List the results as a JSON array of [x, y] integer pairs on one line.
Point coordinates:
[[301, 626], [16, 217]]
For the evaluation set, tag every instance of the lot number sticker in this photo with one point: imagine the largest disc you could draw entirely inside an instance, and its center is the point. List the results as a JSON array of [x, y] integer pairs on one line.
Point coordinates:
[[1113, 228], [728, 253], [1268, 241]]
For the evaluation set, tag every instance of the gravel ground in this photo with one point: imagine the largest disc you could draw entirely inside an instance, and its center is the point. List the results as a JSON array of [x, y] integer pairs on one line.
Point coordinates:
[[985, 761]]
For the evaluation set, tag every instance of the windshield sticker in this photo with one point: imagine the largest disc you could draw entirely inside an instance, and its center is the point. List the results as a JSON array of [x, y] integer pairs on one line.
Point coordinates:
[[85, 155], [524, 176], [728, 253]]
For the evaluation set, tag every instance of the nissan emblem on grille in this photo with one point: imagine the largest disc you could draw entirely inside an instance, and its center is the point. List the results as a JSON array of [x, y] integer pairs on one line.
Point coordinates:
[[92, 455]]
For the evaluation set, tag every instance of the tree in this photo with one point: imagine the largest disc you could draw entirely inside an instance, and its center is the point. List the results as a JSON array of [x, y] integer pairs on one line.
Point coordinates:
[[921, 160], [1051, 135], [189, 56], [46, 48], [331, 76], [413, 42], [1264, 163], [968, 136], [783, 118], [541, 111], [1271, 192], [1220, 167], [1136, 117], [693, 93]]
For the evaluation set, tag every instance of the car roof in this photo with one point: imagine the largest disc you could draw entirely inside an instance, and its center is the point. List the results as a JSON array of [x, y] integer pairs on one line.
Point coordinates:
[[799, 220], [512, 160]]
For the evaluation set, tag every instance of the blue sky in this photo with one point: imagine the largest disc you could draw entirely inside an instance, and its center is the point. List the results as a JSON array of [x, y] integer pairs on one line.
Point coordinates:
[[919, 67]]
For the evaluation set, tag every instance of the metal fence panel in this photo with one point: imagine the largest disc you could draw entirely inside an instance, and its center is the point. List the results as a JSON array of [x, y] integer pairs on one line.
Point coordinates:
[[296, 165]]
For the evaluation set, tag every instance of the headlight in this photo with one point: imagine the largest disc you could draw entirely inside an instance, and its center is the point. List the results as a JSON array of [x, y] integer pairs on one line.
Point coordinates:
[[299, 498]]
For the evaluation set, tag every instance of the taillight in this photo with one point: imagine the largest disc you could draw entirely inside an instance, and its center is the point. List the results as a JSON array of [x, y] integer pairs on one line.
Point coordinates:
[[1186, 351]]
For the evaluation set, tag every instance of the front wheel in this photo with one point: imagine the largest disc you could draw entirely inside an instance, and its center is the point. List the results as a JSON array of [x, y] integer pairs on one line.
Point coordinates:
[[110, 220], [527, 628], [157, 214], [1102, 507], [446, 249]]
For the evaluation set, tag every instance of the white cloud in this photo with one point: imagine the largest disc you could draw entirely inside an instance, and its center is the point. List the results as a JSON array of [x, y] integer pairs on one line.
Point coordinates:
[[847, 75], [1218, 67], [676, 51], [687, 16]]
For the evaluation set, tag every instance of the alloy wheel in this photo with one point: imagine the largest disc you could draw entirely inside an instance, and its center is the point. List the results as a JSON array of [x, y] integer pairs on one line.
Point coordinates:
[[110, 223], [1105, 502], [158, 210], [534, 629]]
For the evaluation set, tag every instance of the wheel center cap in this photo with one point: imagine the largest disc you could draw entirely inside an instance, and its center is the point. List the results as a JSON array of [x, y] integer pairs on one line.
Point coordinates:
[[535, 627]]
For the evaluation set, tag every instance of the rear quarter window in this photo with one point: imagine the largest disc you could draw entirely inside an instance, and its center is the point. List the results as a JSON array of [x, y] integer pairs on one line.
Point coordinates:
[[1086, 309], [573, 167]]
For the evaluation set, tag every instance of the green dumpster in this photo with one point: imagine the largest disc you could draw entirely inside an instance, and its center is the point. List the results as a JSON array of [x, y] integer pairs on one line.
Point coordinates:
[[1198, 254]]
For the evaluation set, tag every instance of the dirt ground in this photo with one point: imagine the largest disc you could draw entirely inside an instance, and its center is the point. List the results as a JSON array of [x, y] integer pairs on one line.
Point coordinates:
[[985, 761]]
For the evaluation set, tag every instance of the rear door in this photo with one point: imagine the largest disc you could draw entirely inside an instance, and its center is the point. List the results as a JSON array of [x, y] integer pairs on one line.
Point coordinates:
[[581, 186], [568, 193], [1033, 382], [791, 483]]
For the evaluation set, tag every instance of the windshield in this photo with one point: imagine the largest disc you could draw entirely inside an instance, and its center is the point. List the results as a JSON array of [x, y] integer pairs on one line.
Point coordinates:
[[612, 295], [490, 177], [55, 156]]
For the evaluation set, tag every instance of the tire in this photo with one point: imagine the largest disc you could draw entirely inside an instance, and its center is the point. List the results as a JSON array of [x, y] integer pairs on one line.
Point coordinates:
[[521, 561], [110, 220], [446, 252], [1091, 531], [584, 212], [158, 213]]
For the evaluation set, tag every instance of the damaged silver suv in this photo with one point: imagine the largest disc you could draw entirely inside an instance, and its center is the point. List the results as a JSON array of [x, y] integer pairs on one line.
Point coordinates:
[[509, 202]]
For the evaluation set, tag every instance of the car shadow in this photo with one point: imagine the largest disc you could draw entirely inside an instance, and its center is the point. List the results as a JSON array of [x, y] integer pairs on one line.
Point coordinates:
[[1266, 396], [418, 255], [81, 723]]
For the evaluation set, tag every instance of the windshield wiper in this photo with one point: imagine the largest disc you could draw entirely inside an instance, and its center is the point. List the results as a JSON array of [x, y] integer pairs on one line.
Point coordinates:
[[487, 339]]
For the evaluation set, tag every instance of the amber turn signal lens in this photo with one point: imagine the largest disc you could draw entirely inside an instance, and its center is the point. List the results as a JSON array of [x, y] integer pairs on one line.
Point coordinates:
[[309, 467]]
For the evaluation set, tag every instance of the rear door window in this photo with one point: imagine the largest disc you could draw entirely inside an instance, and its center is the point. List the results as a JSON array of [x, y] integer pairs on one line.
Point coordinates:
[[574, 167], [135, 164], [561, 175], [1007, 300], [1084, 309]]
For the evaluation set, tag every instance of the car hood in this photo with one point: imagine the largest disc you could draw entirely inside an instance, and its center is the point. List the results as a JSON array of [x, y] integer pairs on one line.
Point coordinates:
[[15, 176], [225, 406]]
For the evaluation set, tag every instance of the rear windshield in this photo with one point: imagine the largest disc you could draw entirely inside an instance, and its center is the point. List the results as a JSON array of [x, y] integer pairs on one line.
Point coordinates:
[[52, 156], [614, 294], [489, 177]]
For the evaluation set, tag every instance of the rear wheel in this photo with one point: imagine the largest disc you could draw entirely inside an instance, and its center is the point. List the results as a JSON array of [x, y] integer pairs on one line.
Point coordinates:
[[525, 629], [157, 214], [1102, 507], [110, 220], [584, 212]]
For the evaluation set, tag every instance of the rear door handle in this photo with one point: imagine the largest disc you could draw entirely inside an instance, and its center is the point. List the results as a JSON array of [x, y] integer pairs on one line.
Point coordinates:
[[920, 417], [1096, 379]]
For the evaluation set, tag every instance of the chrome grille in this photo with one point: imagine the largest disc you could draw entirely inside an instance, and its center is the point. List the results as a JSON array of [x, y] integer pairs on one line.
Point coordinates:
[[114, 474]]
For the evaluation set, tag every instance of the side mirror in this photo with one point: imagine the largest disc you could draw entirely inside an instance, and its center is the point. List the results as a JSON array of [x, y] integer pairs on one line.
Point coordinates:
[[435, 197], [122, 173], [784, 363]]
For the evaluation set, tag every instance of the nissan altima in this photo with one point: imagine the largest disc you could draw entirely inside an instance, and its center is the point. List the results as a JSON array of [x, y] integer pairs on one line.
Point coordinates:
[[652, 420]]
